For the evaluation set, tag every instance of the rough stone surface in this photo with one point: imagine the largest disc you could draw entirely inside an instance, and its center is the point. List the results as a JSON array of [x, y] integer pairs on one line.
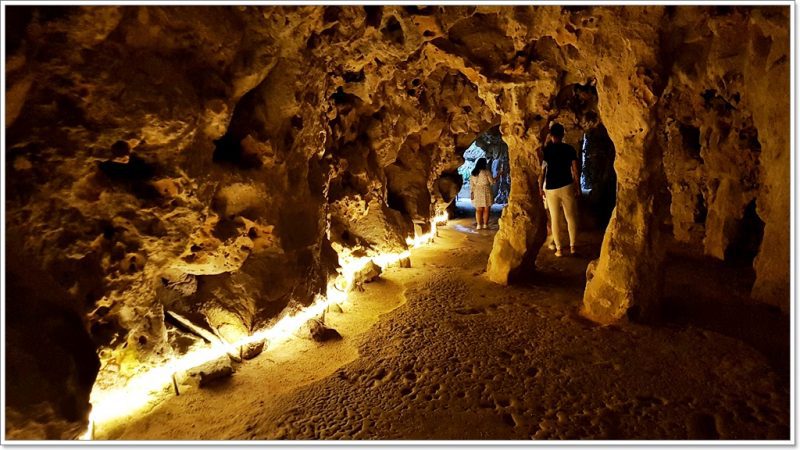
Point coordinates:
[[217, 161], [207, 373], [459, 358], [252, 350], [321, 332]]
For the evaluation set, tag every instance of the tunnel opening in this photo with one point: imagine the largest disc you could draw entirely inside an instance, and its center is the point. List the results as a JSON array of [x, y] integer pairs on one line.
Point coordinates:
[[488, 145], [229, 150], [598, 177], [393, 31], [584, 130], [691, 140]]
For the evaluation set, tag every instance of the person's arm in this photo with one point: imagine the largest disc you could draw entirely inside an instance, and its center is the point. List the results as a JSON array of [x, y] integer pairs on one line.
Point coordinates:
[[472, 188], [543, 178], [576, 179]]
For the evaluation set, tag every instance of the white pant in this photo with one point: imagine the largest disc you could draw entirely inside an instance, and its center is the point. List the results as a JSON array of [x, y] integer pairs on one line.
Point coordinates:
[[563, 197]]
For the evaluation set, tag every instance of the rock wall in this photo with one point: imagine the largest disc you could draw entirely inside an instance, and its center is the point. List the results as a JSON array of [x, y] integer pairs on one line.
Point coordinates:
[[726, 165], [216, 163], [627, 278], [767, 78]]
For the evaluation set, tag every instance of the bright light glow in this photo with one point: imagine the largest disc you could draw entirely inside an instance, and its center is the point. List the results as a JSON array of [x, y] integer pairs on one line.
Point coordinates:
[[145, 390], [420, 240]]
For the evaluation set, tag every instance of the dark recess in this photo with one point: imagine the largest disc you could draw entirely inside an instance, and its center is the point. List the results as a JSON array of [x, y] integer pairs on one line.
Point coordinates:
[[746, 241], [393, 31]]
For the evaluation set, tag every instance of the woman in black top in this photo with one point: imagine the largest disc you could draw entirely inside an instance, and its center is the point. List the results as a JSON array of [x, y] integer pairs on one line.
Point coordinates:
[[560, 187]]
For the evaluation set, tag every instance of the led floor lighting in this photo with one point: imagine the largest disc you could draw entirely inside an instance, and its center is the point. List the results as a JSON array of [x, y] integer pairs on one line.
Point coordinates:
[[150, 387]]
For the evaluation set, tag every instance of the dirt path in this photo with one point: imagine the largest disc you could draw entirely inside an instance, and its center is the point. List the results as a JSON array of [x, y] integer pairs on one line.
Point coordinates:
[[456, 357]]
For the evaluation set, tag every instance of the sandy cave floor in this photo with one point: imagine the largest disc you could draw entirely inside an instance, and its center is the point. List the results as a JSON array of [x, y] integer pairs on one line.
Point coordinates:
[[436, 351]]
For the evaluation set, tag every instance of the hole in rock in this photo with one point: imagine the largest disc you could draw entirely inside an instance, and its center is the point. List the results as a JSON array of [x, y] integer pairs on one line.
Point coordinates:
[[297, 122], [228, 149], [746, 240], [340, 97], [690, 136], [598, 177], [135, 169], [354, 77], [700, 209], [414, 10], [331, 14], [313, 41], [393, 31], [374, 15], [134, 174]]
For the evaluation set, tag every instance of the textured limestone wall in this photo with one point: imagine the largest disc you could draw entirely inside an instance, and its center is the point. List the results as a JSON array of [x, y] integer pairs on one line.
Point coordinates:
[[215, 162], [767, 82], [728, 165], [523, 223], [208, 163], [627, 277]]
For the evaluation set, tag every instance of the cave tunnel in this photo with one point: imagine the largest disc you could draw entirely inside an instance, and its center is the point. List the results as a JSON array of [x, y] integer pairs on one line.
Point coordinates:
[[490, 146], [254, 222]]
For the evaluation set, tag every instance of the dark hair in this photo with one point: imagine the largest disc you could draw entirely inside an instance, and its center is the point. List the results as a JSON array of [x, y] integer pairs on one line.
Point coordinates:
[[479, 166], [557, 130]]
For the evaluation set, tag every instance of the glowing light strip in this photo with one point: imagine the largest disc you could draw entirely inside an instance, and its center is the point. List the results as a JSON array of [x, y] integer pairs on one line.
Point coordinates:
[[145, 389], [419, 240], [148, 388]]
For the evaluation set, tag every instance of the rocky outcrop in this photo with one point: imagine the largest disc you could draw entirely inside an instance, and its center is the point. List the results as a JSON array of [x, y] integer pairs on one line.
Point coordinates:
[[523, 226], [628, 276], [720, 162], [767, 80], [216, 163]]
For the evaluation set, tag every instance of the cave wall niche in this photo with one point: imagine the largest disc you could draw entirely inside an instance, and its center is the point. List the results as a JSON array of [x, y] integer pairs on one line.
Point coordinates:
[[216, 162]]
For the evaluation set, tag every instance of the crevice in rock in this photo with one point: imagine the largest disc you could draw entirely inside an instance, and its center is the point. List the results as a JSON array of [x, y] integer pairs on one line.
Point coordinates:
[[374, 15], [691, 140], [746, 240]]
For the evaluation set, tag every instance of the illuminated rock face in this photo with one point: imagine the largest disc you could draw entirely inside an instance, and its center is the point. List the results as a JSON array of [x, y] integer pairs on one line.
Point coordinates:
[[213, 161]]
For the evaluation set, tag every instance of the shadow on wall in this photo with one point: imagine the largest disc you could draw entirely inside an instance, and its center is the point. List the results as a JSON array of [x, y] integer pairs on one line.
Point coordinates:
[[48, 378], [714, 295]]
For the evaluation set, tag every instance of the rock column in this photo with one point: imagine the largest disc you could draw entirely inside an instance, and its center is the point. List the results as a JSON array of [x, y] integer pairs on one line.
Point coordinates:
[[767, 79], [523, 225], [627, 278]]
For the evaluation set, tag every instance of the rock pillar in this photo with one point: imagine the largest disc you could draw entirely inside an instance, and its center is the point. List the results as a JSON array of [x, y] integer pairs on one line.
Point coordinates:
[[523, 226], [626, 281], [768, 79]]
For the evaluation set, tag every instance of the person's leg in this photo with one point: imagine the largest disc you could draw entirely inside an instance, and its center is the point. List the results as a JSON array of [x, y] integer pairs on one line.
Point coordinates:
[[571, 213], [551, 244], [477, 217], [554, 206], [486, 216]]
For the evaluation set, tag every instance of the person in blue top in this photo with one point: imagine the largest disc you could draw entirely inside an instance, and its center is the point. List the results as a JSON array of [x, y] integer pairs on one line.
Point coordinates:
[[560, 188]]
